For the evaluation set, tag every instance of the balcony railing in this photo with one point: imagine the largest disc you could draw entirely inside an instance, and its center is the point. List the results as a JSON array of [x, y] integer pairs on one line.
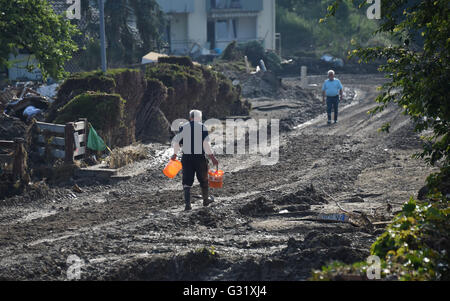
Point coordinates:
[[234, 5], [176, 6]]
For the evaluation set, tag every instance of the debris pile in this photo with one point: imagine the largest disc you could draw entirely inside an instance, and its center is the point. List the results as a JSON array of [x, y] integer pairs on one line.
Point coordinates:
[[23, 102]]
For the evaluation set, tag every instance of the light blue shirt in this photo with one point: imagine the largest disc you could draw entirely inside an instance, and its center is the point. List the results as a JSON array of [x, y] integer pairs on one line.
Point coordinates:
[[332, 87]]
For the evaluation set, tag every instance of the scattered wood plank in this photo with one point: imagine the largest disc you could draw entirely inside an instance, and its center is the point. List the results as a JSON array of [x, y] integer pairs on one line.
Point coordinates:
[[58, 141], [6, 158], [79, 151], [78, 126], [55, 128], [382, 223], [57, 153], [7, 144]]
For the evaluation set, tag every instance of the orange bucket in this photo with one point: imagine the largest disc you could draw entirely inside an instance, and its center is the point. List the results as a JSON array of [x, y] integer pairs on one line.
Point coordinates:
[[172, 168], [215, 178]]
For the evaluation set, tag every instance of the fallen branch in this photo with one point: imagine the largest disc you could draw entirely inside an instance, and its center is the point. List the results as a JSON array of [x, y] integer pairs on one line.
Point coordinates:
[[336, 203]]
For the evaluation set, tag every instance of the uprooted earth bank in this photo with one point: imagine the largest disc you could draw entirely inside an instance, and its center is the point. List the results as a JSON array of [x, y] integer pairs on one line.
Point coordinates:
[[128, 105]]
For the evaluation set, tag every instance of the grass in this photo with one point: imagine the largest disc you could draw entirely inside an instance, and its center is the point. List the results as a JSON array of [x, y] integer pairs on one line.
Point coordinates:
[[126, 155]]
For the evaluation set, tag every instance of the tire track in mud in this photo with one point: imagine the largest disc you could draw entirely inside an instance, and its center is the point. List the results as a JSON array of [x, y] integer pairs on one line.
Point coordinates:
[[261, 225]]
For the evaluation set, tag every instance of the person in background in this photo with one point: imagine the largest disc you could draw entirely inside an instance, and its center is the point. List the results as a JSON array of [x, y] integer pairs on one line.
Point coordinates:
[[193, 136], [332, 91]]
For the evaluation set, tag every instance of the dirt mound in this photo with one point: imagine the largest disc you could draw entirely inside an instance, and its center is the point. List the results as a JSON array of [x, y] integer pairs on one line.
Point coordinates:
[[197, 87], [151, 123], [206, 217], [106, 113], [140, 111], [252, 85], [307, 196], [258, 207], [11, 128], [198, 265], [77, 84]]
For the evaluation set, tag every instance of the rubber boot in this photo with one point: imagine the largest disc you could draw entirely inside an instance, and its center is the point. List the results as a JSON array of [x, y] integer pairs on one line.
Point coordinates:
[[187, 198], [206, 199]]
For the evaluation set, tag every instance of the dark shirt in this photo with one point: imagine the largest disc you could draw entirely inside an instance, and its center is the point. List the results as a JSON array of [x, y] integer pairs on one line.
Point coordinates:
[[191, 136]]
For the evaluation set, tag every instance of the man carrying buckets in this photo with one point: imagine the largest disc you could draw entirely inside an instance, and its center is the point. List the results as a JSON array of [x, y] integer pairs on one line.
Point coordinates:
[[193, 136]]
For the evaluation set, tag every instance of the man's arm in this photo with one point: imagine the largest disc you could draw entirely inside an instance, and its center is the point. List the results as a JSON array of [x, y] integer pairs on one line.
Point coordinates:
[[176, 144], [209, 152]]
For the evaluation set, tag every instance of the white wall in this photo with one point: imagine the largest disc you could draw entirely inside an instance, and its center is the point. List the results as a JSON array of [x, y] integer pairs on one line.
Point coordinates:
[[266, 24], [197, 23], [178, 32], [247, 28], [18, 69]]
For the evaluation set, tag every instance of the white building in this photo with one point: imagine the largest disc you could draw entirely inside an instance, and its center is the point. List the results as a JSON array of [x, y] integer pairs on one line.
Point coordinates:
[[215, 23]]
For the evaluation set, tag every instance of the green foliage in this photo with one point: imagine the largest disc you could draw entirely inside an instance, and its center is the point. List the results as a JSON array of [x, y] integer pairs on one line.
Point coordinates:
[[104, 111], [272, 61], [31, 26], [419, 70], [177, 60], [254, 51], [196, 87], [133, 28], [414, 247], [303, 28], [175, 74], [232, 53]]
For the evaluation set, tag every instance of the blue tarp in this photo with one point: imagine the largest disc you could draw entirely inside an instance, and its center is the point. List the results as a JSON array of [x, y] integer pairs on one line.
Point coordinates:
[[31, 111]]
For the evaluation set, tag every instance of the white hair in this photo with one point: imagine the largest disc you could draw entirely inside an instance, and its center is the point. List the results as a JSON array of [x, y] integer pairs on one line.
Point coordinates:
[[196, 115], [331, 71]]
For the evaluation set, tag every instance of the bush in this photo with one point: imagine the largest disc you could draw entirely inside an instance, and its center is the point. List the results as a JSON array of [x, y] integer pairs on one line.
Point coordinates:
[[232, 53], [177, 60], [414, 247], [104, 111], [273, 62], [254, 51]]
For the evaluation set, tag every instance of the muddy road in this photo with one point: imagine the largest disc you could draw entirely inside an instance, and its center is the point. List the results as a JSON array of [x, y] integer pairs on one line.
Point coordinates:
[[264, 222]]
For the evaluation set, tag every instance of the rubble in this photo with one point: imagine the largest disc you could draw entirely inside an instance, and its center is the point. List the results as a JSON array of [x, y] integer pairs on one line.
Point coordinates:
[[23, 102]]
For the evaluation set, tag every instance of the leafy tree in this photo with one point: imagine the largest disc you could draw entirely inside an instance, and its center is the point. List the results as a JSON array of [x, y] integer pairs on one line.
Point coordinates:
[[132, 29], [299, 21], [31, 26], [415, 246], [419, 69]]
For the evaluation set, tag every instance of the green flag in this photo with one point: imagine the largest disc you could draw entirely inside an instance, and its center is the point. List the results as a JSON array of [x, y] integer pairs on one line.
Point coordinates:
[[95, 142]]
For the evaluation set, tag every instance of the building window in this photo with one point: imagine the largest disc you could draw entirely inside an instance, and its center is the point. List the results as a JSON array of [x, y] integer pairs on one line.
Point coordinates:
[[218, 4], [226, 29], [235, 4], [222, 30]]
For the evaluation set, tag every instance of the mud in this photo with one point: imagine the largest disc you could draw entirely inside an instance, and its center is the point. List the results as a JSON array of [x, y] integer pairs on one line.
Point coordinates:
[[263, 224]]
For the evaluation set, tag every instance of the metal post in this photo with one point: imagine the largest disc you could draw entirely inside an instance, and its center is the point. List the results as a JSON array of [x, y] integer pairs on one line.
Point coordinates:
[[303, 78], [102, 34]]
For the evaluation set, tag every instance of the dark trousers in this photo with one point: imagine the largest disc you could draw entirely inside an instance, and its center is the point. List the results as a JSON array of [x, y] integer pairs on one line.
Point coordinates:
[[195, 165], [332, 103]]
